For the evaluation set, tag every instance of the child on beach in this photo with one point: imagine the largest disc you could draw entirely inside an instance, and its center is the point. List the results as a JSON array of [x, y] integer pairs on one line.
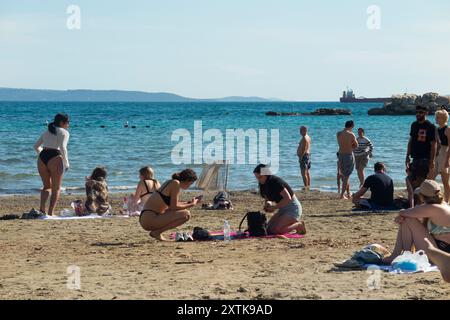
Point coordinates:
[[145, 188], [97, 192]]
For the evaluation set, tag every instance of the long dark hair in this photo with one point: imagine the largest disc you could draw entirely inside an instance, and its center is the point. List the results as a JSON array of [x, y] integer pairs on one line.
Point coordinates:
[[99, 174], [60, 118], [264, 169], [185, 175]]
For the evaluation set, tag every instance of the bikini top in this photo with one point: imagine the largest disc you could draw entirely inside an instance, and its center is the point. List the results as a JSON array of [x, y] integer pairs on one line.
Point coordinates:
[[165, 198], [148, 190], [437, 230]]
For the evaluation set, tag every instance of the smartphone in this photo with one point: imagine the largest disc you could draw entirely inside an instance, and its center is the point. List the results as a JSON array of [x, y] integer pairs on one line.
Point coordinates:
[[199, 198]]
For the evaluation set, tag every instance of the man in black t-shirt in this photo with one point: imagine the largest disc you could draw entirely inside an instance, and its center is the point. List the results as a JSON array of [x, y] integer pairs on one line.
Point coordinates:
[[381, 187], [422, 149]]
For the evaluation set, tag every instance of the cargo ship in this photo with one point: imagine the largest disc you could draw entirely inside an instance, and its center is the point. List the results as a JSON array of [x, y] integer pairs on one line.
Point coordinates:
[[349, 97]]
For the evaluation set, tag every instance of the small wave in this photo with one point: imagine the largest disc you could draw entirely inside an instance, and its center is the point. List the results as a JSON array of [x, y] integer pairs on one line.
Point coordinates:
[[17, 176], [10, 160]]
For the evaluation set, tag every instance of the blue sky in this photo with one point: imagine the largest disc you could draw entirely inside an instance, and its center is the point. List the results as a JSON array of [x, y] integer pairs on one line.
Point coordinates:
[[287, 49]]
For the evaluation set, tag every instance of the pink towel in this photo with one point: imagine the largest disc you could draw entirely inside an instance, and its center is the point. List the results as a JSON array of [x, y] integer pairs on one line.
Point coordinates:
[[218, 235]]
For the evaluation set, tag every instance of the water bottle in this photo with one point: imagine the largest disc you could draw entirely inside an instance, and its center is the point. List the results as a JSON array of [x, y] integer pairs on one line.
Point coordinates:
[[226, 231], [125, 206]]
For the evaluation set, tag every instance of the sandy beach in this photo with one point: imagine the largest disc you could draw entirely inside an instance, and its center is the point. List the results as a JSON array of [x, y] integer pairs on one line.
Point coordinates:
[[118, 260]]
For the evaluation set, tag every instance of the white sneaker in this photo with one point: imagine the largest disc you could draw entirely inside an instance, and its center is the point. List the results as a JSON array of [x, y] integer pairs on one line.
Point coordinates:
[[187, 237], [179, 237]]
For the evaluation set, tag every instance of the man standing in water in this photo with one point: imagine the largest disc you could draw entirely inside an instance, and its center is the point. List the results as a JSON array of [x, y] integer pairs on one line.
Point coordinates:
[[304, 156], [347, 143], [422, 150]]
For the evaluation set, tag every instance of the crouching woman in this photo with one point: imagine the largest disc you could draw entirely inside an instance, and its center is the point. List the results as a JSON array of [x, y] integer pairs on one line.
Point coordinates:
[[279, 195], [164, 210]]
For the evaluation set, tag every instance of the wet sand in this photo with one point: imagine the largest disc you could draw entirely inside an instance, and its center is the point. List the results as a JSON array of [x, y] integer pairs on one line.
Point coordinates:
[[118, 260]]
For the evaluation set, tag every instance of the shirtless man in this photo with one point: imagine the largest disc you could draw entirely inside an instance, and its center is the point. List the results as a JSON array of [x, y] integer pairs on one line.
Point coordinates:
[[304, 156], [347, 143]]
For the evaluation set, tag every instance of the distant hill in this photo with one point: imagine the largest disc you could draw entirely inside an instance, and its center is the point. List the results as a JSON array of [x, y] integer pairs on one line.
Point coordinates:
[[82, 95], [242, 99]]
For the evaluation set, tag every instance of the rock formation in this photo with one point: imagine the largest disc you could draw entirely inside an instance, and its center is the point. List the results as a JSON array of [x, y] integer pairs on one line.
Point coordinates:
[[406, 104], [318, 112]]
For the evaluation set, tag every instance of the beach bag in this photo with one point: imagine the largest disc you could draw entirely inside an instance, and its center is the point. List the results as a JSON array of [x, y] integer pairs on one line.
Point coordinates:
[[409, 261], [201, 234], [256, 223], [222, 201]]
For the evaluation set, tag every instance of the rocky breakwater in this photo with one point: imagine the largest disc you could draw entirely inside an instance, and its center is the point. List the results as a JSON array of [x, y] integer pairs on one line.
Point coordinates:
[[318, 112], [406, 104]]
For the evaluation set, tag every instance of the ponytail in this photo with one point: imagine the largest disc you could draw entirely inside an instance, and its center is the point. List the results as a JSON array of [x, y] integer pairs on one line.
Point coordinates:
[[60, 118], [52, 127]]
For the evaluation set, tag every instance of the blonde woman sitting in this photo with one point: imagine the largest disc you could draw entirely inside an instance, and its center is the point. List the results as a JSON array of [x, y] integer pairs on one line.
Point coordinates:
[[145, 188]]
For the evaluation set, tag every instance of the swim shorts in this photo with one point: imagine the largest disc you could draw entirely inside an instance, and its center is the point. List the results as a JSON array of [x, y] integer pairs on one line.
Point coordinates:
[[346, 164], [305, 162]]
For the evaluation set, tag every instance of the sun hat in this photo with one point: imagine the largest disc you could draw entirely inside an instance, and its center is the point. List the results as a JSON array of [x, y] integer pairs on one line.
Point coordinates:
[[429, 188]]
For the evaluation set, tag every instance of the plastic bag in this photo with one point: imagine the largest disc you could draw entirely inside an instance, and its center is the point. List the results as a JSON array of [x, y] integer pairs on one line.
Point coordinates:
[[409, 261]]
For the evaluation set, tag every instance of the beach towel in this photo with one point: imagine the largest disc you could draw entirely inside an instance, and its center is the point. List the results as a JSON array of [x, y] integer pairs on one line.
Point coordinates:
[[92, 216], [391, 269], [359, 210], [218, 236]]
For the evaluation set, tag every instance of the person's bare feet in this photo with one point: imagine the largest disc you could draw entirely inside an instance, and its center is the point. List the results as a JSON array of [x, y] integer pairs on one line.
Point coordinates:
[[301, 230], [158, 236], [343, 197]]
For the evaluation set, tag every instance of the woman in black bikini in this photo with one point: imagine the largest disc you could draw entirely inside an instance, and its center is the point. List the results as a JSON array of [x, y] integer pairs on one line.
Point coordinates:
[[145, 188], [53, 160], [163, 210]]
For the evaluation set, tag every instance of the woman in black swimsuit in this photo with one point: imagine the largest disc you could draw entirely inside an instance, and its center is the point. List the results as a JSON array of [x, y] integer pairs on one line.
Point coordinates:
[[145, 188], [53, 160], [164, 210]]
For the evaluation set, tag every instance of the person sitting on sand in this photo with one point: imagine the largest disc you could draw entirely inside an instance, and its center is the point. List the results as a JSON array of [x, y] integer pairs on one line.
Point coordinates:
[[97, 192], [381, 188], [164, 210], [145, 188], [275, 189], [347, 143], [439, 258], [431, 220]]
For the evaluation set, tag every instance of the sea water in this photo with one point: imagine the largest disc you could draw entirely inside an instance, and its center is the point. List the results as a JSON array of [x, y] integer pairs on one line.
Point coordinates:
[[123, 151]]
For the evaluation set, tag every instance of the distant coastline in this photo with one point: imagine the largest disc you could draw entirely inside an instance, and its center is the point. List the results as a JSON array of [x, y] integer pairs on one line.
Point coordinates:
[[86, 95]]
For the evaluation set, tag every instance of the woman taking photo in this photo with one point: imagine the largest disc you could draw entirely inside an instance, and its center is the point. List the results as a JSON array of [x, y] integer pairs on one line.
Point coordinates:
[[53, 160], [276, 190], [164, 210]]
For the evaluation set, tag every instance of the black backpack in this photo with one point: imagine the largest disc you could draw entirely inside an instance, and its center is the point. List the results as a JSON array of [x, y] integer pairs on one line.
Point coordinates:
[[201, 234], [257, 224]]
